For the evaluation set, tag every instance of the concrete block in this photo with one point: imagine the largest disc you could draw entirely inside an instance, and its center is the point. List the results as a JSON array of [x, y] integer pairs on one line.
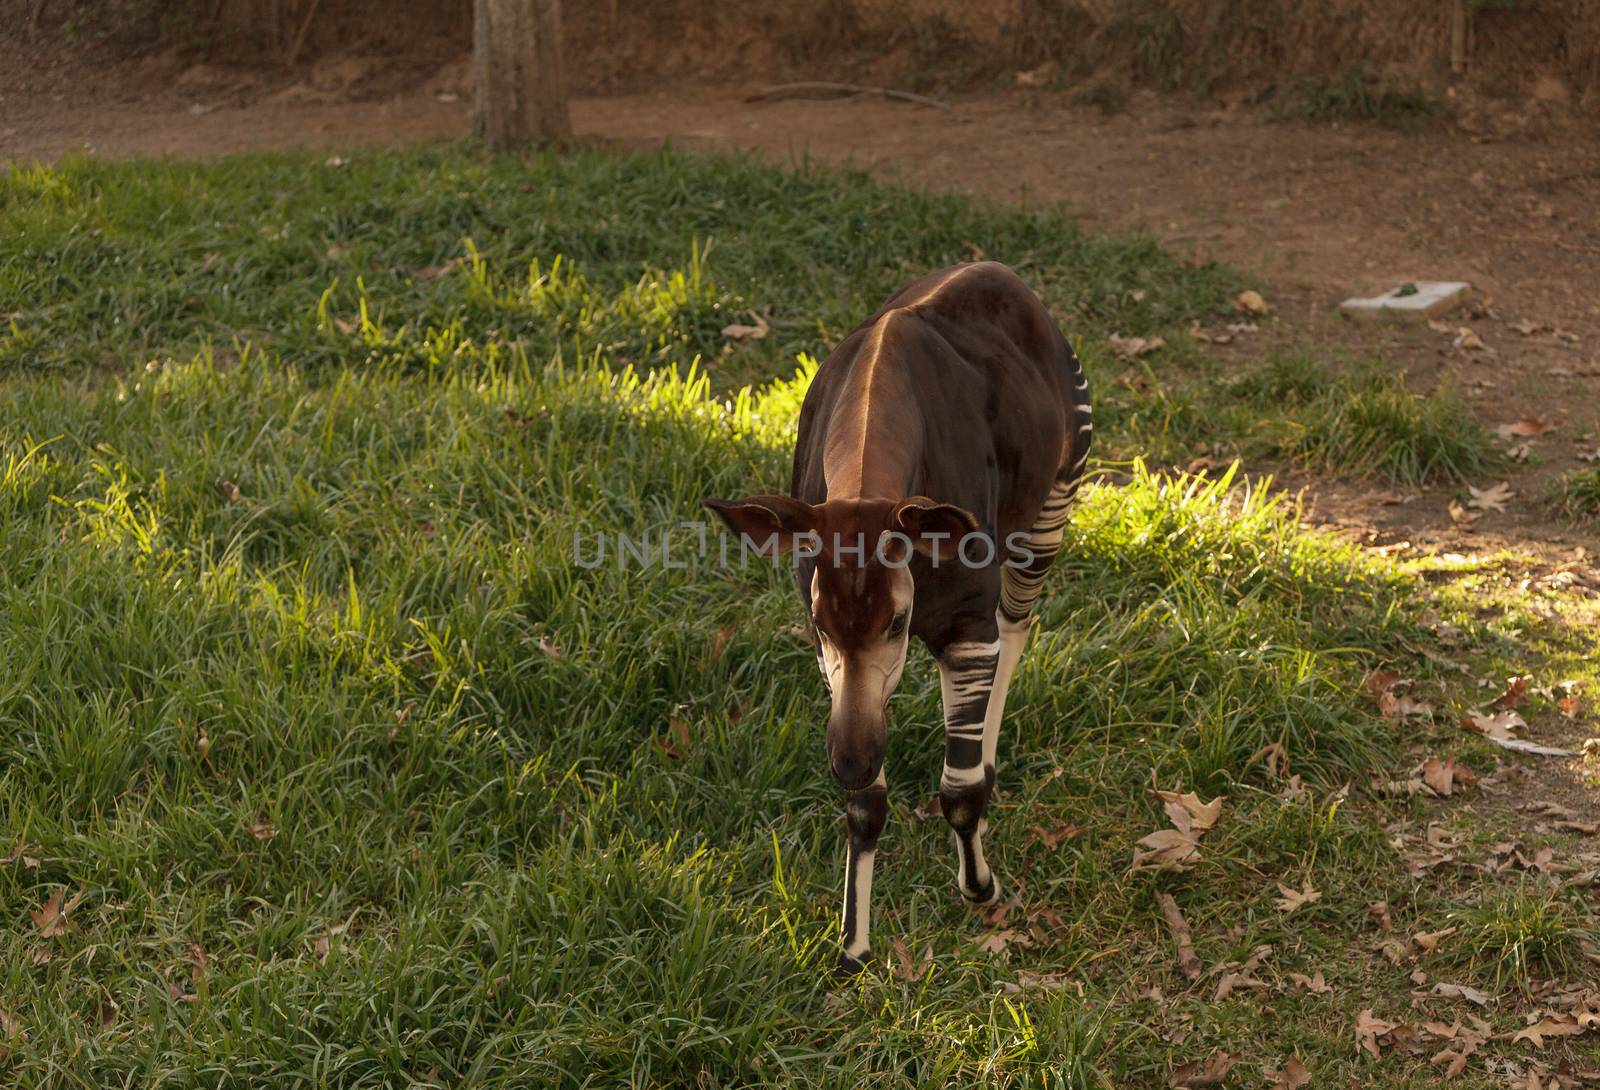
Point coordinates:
[[1430, 299]]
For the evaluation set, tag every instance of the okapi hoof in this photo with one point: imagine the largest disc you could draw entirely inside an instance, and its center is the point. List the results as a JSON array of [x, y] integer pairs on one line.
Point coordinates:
[[850, 967], [985, 896]]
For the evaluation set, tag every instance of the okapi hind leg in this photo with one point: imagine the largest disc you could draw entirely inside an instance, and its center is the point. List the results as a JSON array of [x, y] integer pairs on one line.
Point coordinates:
[[864, 814], [976, 678], [966, 678]]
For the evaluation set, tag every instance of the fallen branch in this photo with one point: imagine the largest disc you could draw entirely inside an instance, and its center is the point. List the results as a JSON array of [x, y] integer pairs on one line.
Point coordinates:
[[1557, 243], [838, 90], [1182, 937]]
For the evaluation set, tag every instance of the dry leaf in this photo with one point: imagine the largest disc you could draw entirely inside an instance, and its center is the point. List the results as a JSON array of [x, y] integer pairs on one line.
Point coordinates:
[[1165, 849], [1495, 726], [1493, 498], [905, 968], [1313, 984], [1211, 1072], [1460, 515], [1182, 937], [676, 742], [51, 917], [1293, 1076], [322, 947], [1381, 686], [548, 648], [1132, 348], [1251, 302], [1370, 1031], [1188, 813], [1523, 428], [1430, 940], [1208, 337], [20, 852], [1455, 1062], [1048, 982], [928, 809], [720, 644], [1171, 849], [1277, 758], [229, 490], [105, 1010], [202, 742], [997, 914], [10, 1030], [746, 333], [345, 326], [1052, 837], [1516, 689], [1547, 809], [1444, 776], [996, 941], [1548, 1027], [1293, 899], [1379, 911], [264, 829], [1234, 981], [433, 272], [1498, 727], [1462, 991], [1379, 682]]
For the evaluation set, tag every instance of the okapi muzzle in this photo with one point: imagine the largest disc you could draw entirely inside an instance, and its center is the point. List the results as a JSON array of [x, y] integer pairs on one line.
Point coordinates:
[[956, 413]]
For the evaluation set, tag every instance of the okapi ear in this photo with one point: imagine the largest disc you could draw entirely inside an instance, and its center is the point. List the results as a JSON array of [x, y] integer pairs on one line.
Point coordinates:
[[758, 518], [935, 529]]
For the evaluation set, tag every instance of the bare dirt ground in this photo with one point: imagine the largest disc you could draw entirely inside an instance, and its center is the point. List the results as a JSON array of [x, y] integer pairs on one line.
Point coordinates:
[[1315, 213]]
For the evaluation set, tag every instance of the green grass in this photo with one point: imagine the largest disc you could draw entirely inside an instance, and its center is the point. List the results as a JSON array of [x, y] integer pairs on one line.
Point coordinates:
[[366, 782], [1109, 95], [1350, 418], [1356, 95], [1365, 422], [1521, 932], [103, 263], [1576, 495]]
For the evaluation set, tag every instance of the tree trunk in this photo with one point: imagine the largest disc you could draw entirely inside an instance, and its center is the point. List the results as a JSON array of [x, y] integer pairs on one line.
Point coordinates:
[[521, 93]]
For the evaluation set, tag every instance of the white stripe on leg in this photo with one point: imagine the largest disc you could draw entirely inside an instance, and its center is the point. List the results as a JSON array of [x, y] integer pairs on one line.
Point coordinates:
[[859, 887], [1013, 637]]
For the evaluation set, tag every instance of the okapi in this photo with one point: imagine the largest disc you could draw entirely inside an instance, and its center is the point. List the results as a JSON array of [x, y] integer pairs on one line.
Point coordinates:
[[939, 449]]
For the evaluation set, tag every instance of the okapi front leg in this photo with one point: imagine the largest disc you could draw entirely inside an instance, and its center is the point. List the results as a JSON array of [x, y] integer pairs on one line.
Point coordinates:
[[966, 677], [864, 813]]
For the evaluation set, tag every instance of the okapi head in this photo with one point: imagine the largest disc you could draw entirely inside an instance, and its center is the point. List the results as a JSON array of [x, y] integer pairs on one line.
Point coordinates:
[[854, 562]]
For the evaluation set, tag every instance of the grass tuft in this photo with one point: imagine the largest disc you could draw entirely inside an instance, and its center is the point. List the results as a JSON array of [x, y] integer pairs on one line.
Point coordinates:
[[1576, 495], [1356, 95], [1364, 422], [1516, 933]]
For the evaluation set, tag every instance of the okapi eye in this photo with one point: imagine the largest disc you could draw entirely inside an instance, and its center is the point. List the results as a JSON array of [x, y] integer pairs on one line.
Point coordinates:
[[898, 625]]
